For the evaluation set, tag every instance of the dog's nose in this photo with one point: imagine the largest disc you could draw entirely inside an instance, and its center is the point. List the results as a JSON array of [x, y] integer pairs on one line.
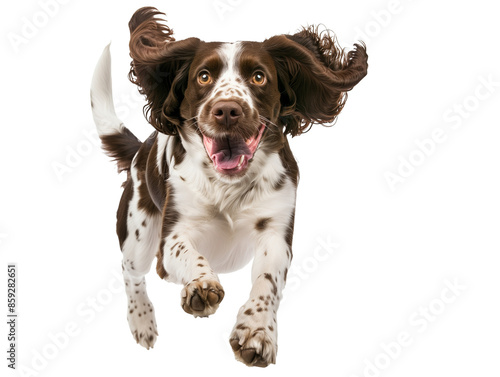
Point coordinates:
[[226, 113]]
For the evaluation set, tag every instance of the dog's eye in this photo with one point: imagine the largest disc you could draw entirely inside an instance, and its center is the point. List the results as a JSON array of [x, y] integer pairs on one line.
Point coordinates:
[[204, 78], [258, 78]]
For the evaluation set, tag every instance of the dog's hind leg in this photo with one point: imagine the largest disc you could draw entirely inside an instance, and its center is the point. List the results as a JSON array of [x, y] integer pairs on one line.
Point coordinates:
[[139, 233], [138, 220]]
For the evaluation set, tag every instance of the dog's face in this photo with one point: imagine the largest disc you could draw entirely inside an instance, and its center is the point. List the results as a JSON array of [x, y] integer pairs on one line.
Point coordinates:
[[232, 96], [240, 98]]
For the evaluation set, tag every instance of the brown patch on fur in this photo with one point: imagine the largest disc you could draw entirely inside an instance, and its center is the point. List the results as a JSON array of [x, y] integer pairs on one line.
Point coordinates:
[[122, 147], [278, 185], [289, 235], [160, 270], [144, 202], [170, 218], [121, 214], [262, 224], [270, 278], [152, 184], [178, 151], [289, 163], [155, 181]]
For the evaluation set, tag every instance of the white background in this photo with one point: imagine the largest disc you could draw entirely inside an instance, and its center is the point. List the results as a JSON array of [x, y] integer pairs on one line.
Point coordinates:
[[390, 253]]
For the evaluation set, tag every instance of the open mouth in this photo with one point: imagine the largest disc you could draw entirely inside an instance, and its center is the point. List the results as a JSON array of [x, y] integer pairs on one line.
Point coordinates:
[[230, 155]]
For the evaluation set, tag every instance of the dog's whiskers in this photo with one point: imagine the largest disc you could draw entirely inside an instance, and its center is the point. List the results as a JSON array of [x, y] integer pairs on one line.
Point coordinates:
[[266, 122], [190, 119], [194, 123]]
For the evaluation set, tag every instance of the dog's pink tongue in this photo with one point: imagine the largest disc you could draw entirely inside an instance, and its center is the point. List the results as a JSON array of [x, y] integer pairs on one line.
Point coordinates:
[[227, 153], [225, 161]]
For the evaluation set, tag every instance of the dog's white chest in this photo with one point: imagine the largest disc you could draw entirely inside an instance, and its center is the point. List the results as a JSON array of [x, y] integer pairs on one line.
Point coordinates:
[[223, 220]]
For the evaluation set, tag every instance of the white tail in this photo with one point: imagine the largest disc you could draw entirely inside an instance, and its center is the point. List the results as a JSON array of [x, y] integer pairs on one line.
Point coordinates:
[[101, 97]]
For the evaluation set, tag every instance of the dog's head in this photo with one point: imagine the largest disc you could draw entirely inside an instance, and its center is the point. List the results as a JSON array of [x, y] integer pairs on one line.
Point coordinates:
[[243, 97]]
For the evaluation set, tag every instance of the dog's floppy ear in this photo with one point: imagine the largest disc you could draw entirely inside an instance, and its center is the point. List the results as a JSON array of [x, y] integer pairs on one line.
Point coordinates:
[[159, 67], [314, 75]]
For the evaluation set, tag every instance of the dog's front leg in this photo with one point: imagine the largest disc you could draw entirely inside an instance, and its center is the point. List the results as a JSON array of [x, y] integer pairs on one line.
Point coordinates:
[[254, 336], [179, 262]]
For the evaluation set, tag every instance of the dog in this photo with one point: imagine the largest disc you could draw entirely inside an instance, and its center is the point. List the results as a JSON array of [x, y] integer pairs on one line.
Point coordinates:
[[215, 184]]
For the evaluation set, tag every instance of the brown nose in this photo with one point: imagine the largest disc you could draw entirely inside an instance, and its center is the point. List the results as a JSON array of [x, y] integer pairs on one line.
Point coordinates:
[[226, 113]]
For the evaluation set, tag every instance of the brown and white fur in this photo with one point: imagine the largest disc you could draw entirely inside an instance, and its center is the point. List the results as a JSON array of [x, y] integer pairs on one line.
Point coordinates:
[[214, 186]]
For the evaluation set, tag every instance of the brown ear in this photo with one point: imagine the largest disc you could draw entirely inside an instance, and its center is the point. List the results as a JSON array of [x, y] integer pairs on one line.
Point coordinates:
[[314, 75], [159, 67]]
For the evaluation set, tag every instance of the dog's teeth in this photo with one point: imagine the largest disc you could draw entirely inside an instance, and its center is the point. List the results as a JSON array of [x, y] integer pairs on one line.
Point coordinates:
[[242, 158]]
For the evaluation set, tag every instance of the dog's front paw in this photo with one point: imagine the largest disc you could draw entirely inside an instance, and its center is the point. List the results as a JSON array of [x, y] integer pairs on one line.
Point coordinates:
[[254, 339], [201, 298]]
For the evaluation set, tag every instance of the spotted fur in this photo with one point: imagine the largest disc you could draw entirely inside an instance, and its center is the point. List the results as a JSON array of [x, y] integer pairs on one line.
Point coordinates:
[[211, 102]]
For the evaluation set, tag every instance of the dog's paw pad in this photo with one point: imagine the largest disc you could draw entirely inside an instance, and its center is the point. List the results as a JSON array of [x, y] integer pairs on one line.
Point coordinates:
[[201, 298], [253, 348]]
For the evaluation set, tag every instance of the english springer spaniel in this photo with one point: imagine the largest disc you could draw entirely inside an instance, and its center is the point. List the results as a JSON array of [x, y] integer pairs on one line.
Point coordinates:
[[214, 186]]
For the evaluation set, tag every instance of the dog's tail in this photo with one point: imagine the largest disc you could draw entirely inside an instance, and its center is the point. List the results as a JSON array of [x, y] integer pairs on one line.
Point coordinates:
[[117, 141]]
